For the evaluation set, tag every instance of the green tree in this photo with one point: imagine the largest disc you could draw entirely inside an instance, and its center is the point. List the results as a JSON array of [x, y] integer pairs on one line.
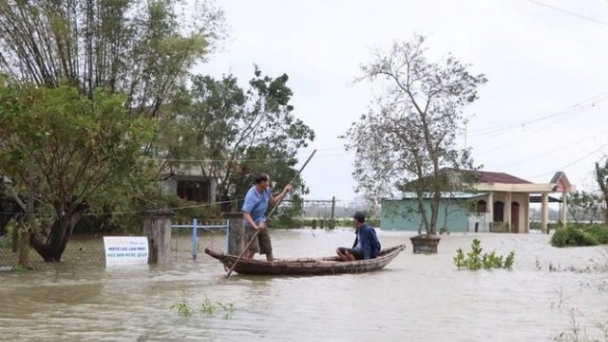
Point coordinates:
[[70, 153], [583, 205], [136, 47], [231, 133], [140, 48], [601, 177], [409, 135]]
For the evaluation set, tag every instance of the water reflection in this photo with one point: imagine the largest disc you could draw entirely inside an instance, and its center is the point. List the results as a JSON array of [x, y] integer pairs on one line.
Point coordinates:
[[416, 297]]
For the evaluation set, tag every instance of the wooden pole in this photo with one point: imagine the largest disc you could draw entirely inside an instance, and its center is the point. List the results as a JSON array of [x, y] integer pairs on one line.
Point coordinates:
[[269, 214]]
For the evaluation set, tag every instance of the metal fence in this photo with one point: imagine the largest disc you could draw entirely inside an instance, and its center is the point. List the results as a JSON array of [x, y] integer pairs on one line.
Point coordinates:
[[188, 242], [211, 235]]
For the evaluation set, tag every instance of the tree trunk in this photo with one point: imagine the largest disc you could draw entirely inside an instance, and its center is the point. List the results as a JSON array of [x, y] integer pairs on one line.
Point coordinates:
[[24, 248], [60, 234]]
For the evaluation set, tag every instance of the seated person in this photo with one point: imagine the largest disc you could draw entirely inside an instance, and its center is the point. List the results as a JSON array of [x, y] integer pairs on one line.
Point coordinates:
[[366, 245]]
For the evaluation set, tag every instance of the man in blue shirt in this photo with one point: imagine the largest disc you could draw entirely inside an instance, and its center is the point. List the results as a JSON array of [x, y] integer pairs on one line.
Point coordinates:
[[366, 246], [254, 211]]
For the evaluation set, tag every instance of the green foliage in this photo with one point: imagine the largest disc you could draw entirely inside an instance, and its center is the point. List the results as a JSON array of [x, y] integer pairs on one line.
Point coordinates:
[[78, 149], [583, 205], [182, 309], [409, 135], [475, 260], [601, 178], [234, 133], [137, 47], [599, 232], [73, 152], [208, 308], [580, 235]]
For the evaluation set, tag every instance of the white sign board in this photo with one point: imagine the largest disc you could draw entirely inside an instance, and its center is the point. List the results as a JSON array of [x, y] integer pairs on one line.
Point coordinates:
[[126, 250]]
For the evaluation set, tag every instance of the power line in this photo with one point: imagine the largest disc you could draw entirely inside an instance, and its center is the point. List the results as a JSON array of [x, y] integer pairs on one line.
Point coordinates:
[[518, 138], [575, 108], [546, 152], [569, 12], [572, 163]]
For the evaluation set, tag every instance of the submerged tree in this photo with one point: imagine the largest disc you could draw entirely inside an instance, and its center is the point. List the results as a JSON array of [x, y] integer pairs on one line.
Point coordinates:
[[139, 49], [69, 153], [408, 138]]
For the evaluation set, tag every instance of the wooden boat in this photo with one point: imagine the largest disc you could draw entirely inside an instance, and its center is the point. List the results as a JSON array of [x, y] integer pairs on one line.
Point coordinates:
[[306, 266]]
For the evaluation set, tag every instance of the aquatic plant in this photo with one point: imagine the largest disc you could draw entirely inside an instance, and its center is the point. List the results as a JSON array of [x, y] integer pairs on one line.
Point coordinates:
[[228, 309], [182, 309], [475, 260], [208, 308], [578, 333]]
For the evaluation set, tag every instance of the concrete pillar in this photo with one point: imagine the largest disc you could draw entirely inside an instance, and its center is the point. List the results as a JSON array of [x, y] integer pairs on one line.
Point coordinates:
[[564, 208], [507, 212], [490, 209], [236, 233], [527, 214], [545, 212], [157, 228]]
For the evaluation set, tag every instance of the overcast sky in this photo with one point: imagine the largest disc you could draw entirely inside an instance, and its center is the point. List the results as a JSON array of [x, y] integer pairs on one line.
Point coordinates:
[[543, 109]]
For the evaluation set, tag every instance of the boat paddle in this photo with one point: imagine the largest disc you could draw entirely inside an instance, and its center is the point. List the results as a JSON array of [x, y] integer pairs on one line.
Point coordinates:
[[269, 214]]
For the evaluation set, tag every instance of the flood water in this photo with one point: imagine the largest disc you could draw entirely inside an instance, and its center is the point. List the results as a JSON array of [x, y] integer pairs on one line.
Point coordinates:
[[415, 298]]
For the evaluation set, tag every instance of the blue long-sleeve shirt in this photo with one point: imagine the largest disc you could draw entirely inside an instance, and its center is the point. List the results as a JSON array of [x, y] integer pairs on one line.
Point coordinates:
[[367, 238]]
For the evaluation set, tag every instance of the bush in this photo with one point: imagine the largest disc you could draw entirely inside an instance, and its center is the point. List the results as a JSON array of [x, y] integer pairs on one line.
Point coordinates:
[[600, 232], [474, 260], [574, 235]]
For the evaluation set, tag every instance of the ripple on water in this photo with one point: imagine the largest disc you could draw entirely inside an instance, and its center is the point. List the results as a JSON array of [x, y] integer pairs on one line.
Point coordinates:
[[416, 297]]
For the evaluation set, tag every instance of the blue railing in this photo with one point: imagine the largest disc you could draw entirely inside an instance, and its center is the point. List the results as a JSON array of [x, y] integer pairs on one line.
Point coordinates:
[[195, 227]]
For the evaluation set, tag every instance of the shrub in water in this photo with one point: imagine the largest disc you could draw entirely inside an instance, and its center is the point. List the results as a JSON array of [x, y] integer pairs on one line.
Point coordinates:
[[475, 260], [572, 236]]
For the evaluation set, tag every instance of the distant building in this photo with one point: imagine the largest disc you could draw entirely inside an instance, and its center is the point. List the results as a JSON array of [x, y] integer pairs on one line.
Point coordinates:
[[191, 184], [499, 202]]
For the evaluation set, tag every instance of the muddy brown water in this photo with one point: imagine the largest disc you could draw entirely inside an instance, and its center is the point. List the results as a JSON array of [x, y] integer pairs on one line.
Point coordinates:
[[415, 298]]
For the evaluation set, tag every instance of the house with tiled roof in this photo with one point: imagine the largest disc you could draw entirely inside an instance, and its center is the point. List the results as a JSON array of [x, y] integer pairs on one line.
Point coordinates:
[[496, 202]]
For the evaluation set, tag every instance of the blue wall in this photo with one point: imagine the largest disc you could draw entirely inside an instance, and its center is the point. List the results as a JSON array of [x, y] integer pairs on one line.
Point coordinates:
[[403, 215]]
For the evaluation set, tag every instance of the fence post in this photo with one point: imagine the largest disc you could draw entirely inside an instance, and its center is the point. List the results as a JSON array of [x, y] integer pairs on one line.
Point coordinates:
[[227, 235], [157, 228], [194, 238], [236, 233]]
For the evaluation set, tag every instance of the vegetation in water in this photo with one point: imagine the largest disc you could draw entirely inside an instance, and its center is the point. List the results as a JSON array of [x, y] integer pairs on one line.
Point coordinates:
[[574, 235], [475, 260], [182, 308], [578, 332], [208, 308]]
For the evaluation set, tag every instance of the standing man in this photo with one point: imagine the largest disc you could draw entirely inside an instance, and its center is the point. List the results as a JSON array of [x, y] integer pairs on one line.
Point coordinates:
[[254, 211], [366, 245]]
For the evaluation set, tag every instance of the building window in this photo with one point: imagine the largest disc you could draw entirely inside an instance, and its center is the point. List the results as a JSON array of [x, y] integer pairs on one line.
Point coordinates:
[[197, 191], [481, 207], [499, 212]]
